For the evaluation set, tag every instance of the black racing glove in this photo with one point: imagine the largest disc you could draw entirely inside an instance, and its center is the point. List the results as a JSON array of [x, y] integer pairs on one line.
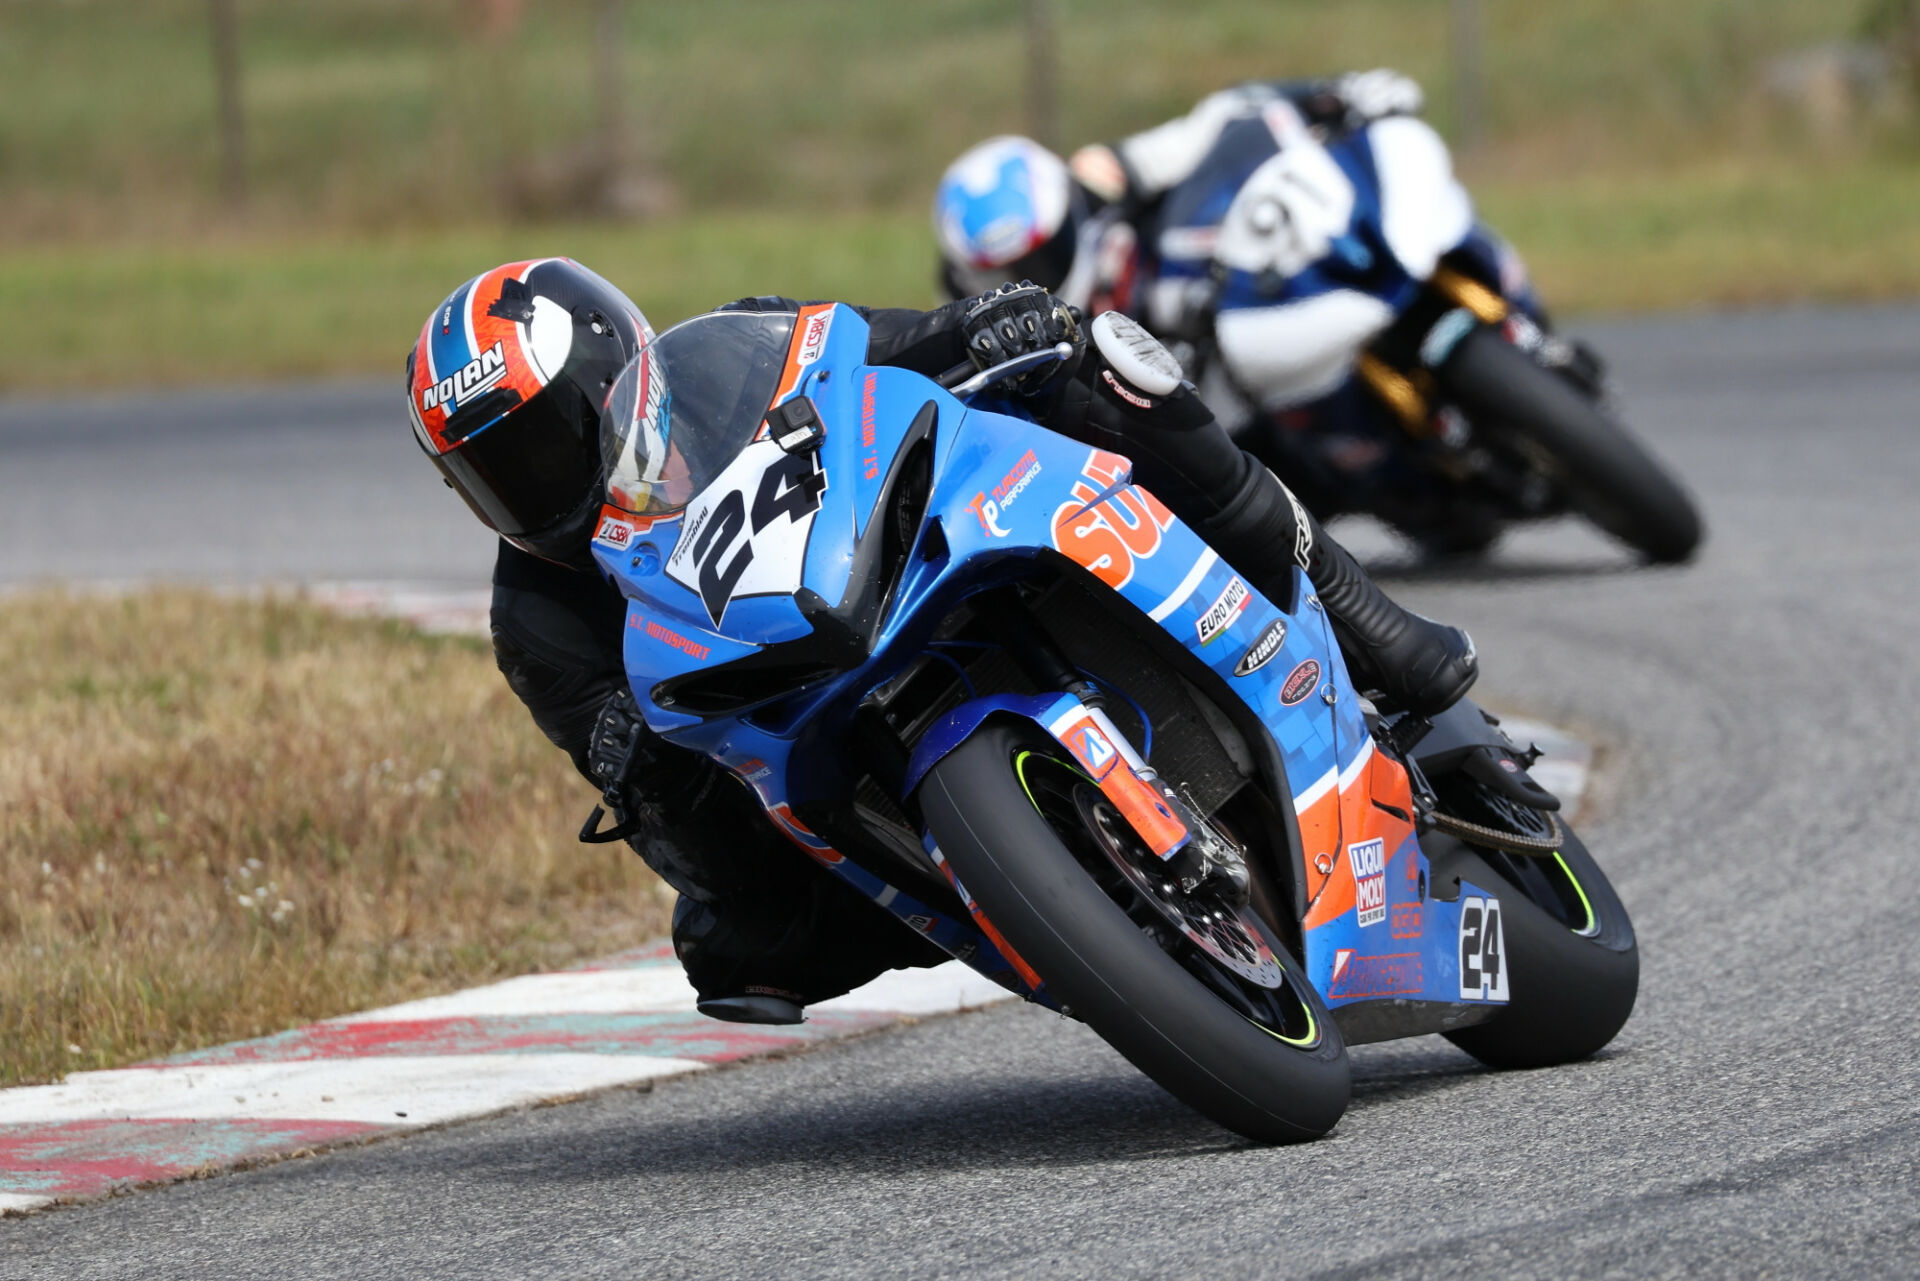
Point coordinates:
[[652, 788], [1014, 320]]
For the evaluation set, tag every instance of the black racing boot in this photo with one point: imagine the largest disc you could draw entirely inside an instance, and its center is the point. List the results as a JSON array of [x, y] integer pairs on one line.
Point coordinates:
[[1185, 458], [1420, 665]]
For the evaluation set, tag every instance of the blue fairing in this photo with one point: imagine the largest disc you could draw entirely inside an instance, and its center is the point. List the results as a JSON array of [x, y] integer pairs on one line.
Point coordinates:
[[1004, 493]]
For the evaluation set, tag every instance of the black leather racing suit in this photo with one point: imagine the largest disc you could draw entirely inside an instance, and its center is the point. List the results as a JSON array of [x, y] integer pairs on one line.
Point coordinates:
[[755, 914]]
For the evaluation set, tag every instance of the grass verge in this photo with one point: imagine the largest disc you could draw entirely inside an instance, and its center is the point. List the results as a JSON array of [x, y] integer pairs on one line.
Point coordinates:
[[303, 306], [221, 818]]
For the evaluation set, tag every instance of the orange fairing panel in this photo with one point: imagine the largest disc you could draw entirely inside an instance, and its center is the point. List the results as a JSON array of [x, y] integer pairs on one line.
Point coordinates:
[[1349, 816]]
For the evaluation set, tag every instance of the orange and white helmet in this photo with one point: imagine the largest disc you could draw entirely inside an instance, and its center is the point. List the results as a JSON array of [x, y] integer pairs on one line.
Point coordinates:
[[505, 388]]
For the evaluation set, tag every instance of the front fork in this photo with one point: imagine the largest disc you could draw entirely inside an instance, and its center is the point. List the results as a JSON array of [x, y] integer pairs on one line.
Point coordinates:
[[1167, 822]]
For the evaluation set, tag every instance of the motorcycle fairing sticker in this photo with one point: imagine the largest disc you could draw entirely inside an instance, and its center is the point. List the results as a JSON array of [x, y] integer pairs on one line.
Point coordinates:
[[1483, 950], [746, 533]]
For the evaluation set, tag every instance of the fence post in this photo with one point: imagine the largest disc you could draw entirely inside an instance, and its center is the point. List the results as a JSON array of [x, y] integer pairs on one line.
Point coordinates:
[[226, 80], [612, 104], [1043, 74], [1469, 72]]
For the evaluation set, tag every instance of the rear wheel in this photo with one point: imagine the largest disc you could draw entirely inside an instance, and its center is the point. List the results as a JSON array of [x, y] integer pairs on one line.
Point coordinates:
[[1199, 997], [1573, 966], [1607, 474]]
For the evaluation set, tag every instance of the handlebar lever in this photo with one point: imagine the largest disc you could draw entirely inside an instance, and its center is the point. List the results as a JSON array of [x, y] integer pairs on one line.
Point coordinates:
[[1005, 369]]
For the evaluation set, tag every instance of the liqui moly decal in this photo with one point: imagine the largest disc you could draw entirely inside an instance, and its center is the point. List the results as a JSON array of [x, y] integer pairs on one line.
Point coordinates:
[[1229, 605], [1368, 861], [472, 378]]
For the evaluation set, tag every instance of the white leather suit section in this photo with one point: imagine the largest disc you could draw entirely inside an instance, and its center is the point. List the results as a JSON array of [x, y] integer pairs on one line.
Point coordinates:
[[1299, 351]]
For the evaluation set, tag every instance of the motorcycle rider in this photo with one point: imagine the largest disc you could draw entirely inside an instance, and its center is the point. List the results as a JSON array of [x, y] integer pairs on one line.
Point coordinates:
[[1008, 209], [506, 385], [1226, 231]]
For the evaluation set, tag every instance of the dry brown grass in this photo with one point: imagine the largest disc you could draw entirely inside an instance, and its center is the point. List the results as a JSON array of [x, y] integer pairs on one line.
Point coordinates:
[[221, 818]]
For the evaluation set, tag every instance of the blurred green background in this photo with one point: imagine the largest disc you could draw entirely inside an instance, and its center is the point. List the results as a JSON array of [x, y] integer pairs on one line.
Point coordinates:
[[1641, 153]]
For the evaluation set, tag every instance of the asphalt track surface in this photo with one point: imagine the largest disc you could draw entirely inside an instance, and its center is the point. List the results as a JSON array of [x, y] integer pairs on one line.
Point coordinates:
[[1758, 1116]]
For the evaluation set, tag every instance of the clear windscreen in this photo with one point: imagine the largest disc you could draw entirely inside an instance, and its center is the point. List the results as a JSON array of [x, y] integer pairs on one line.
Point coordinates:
[[687, 403]]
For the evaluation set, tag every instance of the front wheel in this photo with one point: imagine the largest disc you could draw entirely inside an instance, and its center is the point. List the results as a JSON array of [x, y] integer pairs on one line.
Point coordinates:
[[1607, 475], [1228, 1024]]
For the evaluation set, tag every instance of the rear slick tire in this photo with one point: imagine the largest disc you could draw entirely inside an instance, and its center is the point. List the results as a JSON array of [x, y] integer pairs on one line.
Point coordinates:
[[1099, 964], [1570, 992], [1608, 475]]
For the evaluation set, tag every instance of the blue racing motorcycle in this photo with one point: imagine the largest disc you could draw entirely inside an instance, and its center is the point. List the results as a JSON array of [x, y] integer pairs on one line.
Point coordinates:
[[1383, 350], [967, 666]]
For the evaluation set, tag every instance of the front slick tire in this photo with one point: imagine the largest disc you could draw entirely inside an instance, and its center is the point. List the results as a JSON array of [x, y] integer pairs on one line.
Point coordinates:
[[1608, 475], [1095, 960]]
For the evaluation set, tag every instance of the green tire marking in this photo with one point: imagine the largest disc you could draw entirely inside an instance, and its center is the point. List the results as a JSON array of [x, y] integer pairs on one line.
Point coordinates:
[[1593, 921]]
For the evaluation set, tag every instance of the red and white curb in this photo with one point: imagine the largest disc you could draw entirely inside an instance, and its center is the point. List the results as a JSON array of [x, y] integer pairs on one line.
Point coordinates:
[[618, 1022]]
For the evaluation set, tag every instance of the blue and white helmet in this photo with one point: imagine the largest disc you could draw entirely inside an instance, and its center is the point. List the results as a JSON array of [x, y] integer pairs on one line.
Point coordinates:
[[1007, 210]]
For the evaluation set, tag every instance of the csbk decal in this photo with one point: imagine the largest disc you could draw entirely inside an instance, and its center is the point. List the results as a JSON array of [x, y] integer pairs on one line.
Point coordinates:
[[618, 528], [746, 533], [1368, 861], [1262, 651], [1483, 951], [1011, 486], [614, 530], [813, 340], [1300, 682], [1220, 615], [1106, 525]]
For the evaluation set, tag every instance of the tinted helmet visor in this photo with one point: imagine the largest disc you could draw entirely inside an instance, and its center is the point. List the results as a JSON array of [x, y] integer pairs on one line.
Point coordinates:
[[525, 471]]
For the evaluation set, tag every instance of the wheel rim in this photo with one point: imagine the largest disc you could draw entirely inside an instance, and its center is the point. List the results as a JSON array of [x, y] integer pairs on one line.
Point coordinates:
[[1222, 946], [1523, 845]]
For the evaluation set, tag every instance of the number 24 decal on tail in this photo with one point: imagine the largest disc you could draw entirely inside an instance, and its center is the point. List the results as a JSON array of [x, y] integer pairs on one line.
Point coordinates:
[[1483, 951], [746, 533]]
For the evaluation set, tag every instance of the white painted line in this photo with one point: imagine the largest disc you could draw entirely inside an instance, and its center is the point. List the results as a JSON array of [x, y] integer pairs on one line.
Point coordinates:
[[20, 1204], [1187, 584], [942, 990], [644, 988], [397, 1091]]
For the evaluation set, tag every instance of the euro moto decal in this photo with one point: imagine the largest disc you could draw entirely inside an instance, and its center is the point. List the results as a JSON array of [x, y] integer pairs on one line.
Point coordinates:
[[1228, 606], [1300, 682], [746, 534], [1263, 649]]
